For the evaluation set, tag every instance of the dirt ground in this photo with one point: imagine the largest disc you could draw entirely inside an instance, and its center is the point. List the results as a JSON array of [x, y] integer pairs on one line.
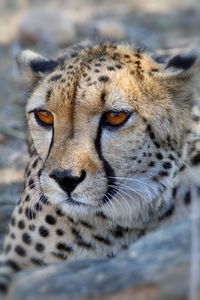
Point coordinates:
[[46, 28]]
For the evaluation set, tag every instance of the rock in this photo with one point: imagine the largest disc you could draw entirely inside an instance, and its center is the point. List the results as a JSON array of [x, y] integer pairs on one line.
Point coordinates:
[[158, 266], [2, 138], [110, 29], [46, 25]]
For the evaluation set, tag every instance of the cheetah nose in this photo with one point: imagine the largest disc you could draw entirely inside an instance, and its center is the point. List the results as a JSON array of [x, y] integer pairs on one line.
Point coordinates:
[[66, 180]]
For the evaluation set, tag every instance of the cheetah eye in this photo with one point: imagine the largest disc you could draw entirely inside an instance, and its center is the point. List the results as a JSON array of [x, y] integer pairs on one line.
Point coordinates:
[[44, 118], [116, 118]]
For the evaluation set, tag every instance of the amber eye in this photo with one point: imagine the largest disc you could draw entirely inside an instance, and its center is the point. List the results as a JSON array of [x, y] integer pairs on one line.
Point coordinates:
[[116, 118], [44, 117]]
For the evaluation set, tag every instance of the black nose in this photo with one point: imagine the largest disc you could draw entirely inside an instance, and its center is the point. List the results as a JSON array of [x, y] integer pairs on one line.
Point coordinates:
[[66, 180]]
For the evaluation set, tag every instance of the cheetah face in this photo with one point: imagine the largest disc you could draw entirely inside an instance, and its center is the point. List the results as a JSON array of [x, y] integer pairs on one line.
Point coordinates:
[[107, 127]]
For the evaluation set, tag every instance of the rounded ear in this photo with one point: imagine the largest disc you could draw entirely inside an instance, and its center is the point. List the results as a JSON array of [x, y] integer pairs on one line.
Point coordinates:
[[34, 66], [182, 62], [180, 76], [182, 66]]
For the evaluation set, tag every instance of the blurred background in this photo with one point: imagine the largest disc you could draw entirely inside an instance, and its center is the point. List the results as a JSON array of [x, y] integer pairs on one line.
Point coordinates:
[[46, 27]]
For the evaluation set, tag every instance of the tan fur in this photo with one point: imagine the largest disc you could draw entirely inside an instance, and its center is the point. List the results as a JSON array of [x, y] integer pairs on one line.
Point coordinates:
[[138, 161]]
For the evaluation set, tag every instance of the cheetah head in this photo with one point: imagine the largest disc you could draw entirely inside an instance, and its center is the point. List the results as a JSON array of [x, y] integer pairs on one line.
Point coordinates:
[[109, 123]]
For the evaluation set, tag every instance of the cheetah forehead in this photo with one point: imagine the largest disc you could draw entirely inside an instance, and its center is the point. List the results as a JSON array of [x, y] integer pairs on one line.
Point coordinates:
[[111, 76], [97, 80]]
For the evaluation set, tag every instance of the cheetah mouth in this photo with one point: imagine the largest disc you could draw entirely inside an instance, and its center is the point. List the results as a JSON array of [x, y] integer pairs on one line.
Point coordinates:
[[73, 202]]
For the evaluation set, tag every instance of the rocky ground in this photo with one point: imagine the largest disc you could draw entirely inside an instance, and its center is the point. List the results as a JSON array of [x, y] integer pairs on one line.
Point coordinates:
[[172, 24]]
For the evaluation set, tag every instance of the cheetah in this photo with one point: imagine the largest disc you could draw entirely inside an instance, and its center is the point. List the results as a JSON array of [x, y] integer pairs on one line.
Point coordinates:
[[111, 136]]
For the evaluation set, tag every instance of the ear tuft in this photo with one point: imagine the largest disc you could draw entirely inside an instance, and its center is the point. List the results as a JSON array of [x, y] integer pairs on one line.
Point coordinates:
[[183, 62], [34, 66]]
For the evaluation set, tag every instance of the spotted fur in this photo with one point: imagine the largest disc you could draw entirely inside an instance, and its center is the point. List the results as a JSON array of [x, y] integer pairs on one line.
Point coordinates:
[[115, 183]]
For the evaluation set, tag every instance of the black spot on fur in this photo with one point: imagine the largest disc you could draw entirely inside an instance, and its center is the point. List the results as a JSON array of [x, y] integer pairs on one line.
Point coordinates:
[[171, 157], [32, 227], [118, 66], [149, 130], [85, 244], [76, 233], [167, 165], [174, 191], [26, 238], [103, 78], [159, 155], [37, 261], [44, 199], [151, 164], [39, 247], [119, 231], [39, 173], [134, 157], [187, 198], [38, 207], [59, 255], [110, 68], [35, 163], [196, 159], [71, 220], [55, 77], [196, 118], [13, 221], [59, 232], [102, 239], [163, 173], [50, 220], [20, 250], [86, 224], [27, 198], [182, 62], [101, 215], [44, 232], [64, 247], [103, 95], [152, 135], [31, 184], [59, 212], [12, 235], [30, 213], [21, 224], [157, 144]]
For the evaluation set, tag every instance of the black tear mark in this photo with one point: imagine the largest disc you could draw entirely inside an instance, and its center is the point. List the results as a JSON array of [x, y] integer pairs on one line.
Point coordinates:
[[103, 78], [55, 77], [107, 168]]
